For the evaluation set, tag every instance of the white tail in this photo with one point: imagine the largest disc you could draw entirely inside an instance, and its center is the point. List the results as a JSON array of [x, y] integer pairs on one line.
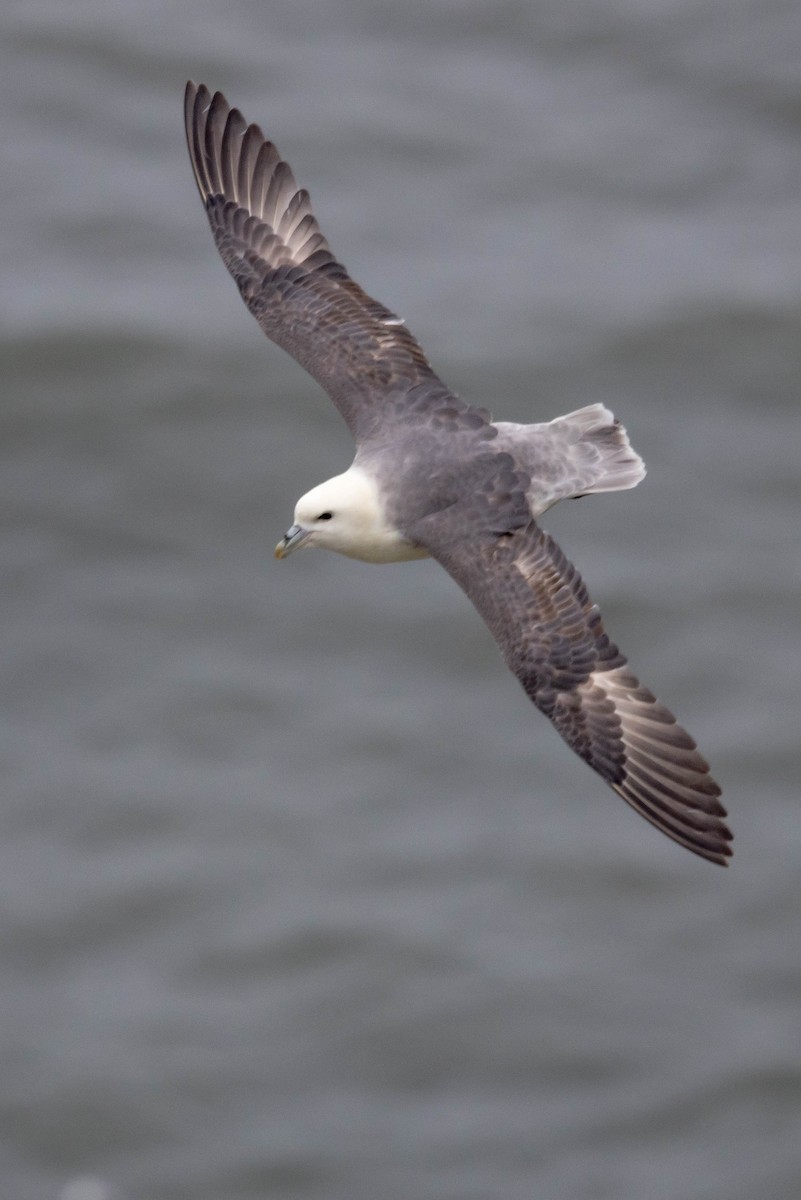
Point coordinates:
[[582, 452], [602, 446]]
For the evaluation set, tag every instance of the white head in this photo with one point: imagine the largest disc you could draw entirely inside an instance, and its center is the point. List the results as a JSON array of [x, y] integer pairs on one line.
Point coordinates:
[[345, 514]]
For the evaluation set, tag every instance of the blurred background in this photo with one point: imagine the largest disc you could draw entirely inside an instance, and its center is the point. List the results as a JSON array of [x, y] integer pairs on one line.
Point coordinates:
[[298, 896]]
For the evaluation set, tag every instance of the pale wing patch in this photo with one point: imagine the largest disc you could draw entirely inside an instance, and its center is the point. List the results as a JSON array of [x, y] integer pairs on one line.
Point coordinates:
[[653, 763]]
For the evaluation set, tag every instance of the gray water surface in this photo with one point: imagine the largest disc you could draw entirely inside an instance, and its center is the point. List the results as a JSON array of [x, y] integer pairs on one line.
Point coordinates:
[[299, 898]]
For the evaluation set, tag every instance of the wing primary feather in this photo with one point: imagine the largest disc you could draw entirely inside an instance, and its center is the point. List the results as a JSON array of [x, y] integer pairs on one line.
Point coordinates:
[[268, 237], [553, 639], [229, 154]]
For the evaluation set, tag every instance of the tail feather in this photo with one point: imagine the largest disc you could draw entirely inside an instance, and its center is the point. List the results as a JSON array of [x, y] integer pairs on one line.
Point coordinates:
[[602, 446], [582, 452]]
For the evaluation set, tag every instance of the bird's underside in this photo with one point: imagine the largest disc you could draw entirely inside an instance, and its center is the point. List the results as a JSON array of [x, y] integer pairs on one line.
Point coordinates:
[[478, 524]]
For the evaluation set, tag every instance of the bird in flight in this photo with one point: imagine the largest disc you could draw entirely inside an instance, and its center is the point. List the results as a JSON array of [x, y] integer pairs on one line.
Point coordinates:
[[434, 476]]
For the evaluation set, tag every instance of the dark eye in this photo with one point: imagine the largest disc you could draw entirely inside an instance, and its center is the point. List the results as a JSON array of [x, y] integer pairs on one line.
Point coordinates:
[[325, 516]]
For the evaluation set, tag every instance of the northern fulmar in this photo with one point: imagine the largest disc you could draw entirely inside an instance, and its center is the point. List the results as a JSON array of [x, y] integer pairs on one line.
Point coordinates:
[[434, 476]]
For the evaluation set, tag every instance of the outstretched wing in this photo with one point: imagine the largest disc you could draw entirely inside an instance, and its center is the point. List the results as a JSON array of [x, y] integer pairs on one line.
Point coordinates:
[[553, 639], [268, 237]]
